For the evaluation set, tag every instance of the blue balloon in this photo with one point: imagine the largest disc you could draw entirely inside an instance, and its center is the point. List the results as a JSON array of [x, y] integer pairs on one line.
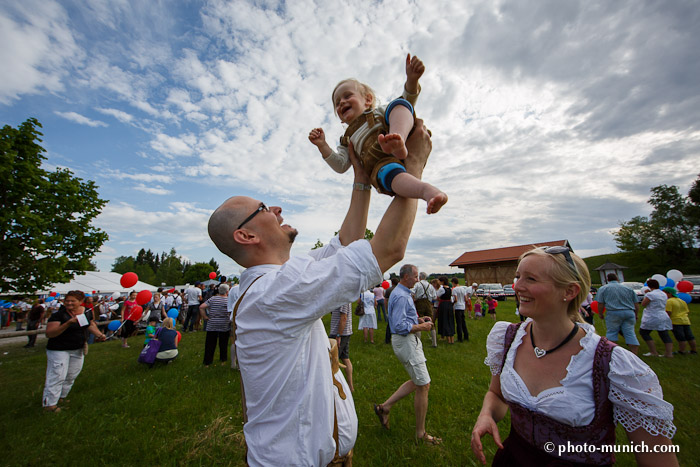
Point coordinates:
[[670, 283], [685, 297], [173, 313], [114, 325], [49, 299]]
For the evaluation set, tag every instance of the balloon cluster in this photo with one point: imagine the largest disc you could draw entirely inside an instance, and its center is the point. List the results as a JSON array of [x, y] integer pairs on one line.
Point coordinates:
[[674, 278]]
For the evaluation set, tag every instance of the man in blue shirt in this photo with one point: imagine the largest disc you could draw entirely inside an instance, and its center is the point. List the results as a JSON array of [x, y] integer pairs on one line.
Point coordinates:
[[621, 307], [406, 327]]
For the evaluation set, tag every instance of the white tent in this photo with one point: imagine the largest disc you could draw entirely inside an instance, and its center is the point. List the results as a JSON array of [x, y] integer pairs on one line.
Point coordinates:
[[101, 282]]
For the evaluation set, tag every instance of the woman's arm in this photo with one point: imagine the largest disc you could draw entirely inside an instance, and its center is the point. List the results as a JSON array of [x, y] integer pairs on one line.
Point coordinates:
[[92, 327], [55, 329], [645, 302], [651, 459], [493, 410], [202, 310]]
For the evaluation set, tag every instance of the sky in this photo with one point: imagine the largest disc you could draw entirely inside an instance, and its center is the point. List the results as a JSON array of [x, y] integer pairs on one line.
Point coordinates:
[[551, 119]]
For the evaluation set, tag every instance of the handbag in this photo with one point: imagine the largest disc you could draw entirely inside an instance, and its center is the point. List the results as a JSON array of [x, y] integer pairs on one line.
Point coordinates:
[[360, 309], [149, 352]]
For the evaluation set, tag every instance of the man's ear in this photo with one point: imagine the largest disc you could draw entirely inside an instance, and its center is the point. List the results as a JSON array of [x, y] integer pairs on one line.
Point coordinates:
[[245, 237]]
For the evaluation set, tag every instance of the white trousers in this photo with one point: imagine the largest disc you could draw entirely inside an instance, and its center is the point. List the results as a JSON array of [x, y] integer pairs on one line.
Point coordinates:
[[62, 367]]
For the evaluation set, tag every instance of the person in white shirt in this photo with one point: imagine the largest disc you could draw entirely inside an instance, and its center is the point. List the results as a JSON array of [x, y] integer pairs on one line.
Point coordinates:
[[459, 297], [563, 384], [194, 298], [291, 401]]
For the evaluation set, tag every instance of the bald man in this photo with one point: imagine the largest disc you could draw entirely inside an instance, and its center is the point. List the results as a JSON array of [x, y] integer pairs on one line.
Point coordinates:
[[282, 347]]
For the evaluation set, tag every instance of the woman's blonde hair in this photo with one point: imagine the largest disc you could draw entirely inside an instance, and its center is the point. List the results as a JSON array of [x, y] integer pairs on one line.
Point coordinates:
[[168, 323], [563, 275], [362, 88]]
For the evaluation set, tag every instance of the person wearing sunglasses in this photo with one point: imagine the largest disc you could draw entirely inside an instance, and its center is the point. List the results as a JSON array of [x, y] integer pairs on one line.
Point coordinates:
[[291, 397], [563, 384]]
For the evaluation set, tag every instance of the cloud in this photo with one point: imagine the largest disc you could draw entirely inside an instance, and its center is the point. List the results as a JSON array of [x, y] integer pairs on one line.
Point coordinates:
[[153, 190], [38, 51], [118, 114], [80, 119]]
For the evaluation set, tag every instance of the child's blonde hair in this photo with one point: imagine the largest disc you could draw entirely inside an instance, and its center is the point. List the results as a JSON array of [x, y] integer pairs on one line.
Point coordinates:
[[364, 90]]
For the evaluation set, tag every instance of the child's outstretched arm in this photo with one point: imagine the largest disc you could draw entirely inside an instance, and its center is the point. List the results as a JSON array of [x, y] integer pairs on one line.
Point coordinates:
[[339, 161], [318, 139], [414, 70]]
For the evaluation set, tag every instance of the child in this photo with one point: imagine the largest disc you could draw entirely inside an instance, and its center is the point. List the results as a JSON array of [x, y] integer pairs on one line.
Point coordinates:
[[678, 311], [492, 306], [150, 329], [379, 136], [477, 307]]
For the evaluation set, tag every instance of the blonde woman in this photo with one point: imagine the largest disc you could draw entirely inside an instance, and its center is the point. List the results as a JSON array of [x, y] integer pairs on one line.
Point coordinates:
[[562, 383]]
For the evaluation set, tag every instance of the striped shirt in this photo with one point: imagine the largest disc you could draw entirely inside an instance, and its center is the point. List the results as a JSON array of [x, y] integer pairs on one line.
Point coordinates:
[[335, 320], [219, 318]]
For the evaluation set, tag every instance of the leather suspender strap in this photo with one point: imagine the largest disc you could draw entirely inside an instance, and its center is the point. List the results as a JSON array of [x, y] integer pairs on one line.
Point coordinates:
[[233, 333]]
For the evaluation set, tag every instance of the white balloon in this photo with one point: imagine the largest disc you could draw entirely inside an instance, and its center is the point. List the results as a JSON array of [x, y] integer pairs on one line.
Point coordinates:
[[660, 279], [115, 295], [675, 275]]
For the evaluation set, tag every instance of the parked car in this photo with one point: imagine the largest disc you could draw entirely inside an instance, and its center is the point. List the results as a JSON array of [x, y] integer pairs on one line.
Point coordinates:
[[638, 288], [495, 290], [695, 293], [508, 289]]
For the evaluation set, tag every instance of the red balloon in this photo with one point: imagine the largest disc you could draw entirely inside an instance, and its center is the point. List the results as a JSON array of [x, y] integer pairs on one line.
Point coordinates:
[[52, 294], [385, 285], [144, 297], [685, 286], [94, 291], [595, 307], [129, 279], [136, 313], [212, 275], [179, 336]]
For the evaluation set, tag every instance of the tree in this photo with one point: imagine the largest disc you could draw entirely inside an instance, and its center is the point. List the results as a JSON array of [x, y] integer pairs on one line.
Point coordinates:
[[197, 272], [668, 234], [45, 218], [693, 209]]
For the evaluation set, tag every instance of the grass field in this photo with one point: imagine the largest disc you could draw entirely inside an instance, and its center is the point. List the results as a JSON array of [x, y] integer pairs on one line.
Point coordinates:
[[123, 413]]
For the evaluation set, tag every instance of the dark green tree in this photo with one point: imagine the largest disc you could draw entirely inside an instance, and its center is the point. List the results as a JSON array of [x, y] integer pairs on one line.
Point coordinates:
[[46, 216], [198, 272], [665, 238]]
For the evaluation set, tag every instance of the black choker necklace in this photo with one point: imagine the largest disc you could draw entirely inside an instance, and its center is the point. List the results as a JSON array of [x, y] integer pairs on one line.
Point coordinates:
[[539, 353]]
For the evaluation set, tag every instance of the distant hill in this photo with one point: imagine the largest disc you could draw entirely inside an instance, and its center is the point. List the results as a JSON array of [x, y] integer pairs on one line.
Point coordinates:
[[641, 265]]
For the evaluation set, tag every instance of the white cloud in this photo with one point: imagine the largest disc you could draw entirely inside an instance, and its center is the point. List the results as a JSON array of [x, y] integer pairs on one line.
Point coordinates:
[[153, 190], [38, 48], [118, 114], [80, 119]]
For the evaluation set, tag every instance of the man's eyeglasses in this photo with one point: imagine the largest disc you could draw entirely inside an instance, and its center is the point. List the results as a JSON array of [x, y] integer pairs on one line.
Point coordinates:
[[262, 207], [562, 250]]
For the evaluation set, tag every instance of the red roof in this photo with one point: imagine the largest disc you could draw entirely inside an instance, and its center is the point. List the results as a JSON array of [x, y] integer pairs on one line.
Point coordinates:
[[495, 255]]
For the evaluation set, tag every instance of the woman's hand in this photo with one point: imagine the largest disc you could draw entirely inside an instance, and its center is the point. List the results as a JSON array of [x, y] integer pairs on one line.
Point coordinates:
[[484, 424]]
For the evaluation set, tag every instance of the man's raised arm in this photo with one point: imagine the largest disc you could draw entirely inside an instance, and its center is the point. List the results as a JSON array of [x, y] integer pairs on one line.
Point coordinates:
[[389, 243], [355, 222]]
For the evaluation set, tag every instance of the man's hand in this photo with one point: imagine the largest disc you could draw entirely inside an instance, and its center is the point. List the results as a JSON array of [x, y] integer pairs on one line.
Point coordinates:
[[360, 173], [419, 146], [414, 70]]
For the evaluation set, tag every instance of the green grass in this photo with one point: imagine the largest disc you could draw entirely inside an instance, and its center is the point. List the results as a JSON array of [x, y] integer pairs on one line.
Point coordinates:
[[123, 413]]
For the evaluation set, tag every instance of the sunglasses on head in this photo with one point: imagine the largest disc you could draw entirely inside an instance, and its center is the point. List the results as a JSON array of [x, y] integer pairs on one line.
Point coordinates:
[[562, 250], [262, 207]]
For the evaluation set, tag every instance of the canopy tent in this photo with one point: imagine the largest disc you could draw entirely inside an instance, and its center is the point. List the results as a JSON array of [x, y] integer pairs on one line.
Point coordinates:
[[101, 282]]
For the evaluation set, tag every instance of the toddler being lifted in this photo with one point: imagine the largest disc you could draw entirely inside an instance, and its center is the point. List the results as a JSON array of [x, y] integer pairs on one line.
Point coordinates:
[[378, 135]]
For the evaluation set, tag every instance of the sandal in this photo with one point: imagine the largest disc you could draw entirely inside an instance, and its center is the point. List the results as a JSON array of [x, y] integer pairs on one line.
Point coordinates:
[[428, 440], [64, 401], [379, 410], [53, 408]]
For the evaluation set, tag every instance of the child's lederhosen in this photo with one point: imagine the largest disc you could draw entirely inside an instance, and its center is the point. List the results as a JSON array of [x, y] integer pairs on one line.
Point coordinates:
[[370, 154]]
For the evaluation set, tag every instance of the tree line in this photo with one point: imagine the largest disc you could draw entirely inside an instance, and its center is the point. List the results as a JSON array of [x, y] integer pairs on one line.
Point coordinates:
[[165, 268]]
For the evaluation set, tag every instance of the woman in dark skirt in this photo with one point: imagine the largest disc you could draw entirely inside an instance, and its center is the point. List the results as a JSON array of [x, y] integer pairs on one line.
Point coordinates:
[[446, 314]]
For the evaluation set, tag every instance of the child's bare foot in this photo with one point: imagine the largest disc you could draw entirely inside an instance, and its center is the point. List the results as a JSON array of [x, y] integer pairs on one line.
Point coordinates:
[[436, 202], [393, 144]]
